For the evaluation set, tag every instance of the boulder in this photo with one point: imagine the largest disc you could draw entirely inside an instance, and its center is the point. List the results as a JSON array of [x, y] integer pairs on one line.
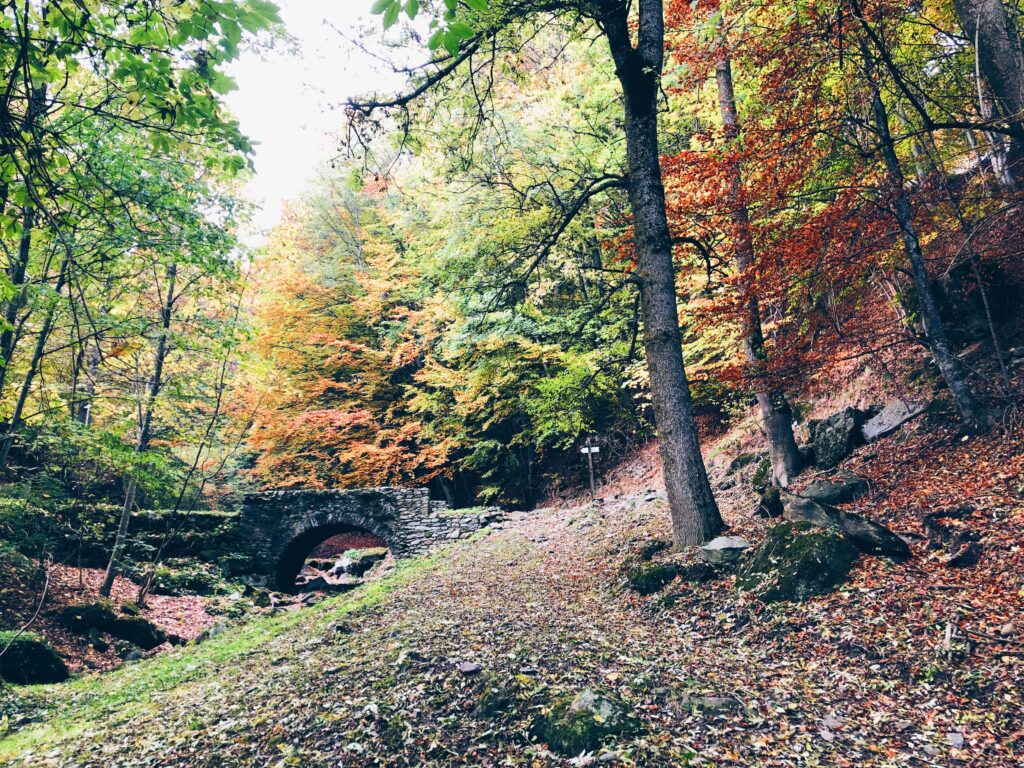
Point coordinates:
[[866, 535], [724, 550], [836, 491], [965, 554], [697, 573], [890, 418], [321, 584], [359, 561], [796, 561], [835, 438], [647, 578], [770, 505], [29, 660], [585, 722], [138, 631], [98, 617], [80, 619]]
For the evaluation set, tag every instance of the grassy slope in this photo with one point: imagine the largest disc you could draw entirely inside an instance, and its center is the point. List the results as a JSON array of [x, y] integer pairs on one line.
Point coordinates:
[[115, 699]]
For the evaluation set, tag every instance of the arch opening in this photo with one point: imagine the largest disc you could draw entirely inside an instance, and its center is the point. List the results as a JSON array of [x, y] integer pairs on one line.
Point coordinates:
[[333, 557]]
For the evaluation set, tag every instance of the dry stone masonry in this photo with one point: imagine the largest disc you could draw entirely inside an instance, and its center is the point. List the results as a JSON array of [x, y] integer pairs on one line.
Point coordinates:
[[280, 528]]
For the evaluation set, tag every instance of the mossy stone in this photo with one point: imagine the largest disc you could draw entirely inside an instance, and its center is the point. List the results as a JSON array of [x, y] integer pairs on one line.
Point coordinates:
[[30, 660], [647, 578], [585, 722], [82, 618], [496, 696], [797, 561], [762, 476]]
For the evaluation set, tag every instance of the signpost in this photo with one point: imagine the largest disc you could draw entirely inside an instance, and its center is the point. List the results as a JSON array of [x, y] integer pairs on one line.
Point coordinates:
[[590, 450]]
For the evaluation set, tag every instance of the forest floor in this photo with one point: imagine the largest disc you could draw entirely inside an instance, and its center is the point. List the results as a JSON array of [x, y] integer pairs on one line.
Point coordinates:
[[912, 664]]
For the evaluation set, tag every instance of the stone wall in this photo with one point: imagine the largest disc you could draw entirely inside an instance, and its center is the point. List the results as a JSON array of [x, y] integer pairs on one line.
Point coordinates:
[[279, 528]]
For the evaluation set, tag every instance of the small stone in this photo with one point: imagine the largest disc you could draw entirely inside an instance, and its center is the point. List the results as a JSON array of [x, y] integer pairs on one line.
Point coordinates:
[[1006, 630], [955, 739], [470, 668], [724, 550]]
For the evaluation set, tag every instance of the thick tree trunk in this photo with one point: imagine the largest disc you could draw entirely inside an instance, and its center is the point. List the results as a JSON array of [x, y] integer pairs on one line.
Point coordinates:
[[142, 441], [970, 411], [775, 411], [695, 516], [989, 26]]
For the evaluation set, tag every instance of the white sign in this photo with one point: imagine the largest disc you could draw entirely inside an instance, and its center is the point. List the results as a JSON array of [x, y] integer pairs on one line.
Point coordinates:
[[590, 449]]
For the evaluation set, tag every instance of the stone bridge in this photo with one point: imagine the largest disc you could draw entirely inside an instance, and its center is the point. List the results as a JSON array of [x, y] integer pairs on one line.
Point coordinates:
[[281, 528]]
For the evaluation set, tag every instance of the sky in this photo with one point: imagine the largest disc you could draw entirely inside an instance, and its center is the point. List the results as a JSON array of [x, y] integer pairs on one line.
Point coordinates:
[[290, 99]]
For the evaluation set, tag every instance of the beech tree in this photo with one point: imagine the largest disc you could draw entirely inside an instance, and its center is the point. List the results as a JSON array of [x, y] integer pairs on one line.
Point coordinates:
[[635, 36]]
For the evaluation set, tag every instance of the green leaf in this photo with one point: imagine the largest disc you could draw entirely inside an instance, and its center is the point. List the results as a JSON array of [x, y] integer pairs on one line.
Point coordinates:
[[477, 5], [391, 15], [434, 42], [412, 8], [382, 5]]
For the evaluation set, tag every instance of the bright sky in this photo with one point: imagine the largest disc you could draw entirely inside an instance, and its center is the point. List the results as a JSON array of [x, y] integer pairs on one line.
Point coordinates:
[[290, 101]]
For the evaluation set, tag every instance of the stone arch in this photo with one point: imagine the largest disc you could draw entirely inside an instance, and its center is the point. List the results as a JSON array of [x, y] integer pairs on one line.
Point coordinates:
[[276, 527], [299, 540]]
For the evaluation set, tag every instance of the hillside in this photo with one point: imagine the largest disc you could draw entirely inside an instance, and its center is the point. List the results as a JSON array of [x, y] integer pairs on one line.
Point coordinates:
[[453, 658]]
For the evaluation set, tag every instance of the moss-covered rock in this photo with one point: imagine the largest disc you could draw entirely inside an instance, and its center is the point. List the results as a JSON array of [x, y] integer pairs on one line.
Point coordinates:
[[650, 548], [182, 576], [29, 660], [82, 618], [762, 476], [585, 722], [796, 561], [139, 631], [496, 696], [100, 617], [647, 578]]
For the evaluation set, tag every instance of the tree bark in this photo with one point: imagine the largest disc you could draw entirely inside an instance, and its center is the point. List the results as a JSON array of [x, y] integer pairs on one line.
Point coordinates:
[[33, 368], [145, 425], [776, 414], [695, 515], [991, 29], [17, 273], [971, 413]]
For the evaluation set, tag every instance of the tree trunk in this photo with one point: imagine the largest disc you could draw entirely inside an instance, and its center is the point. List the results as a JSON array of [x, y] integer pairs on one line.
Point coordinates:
[[33, 369], [16, 273], [695, 516], [775, 411], [991, 29], [142, 441], [970, 411]]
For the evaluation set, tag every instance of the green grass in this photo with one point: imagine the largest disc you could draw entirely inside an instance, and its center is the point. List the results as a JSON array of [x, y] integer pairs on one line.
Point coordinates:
[[97, 700]]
